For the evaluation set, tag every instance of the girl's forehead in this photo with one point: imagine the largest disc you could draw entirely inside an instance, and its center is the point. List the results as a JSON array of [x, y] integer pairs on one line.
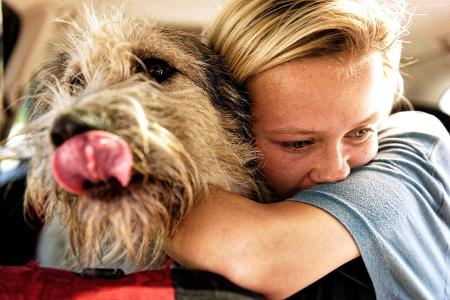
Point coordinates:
[[347, 65], [313, 75], [320, 91], [341, 66]]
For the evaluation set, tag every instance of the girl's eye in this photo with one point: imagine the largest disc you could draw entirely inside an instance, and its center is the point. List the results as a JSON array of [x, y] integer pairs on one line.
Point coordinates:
[[296, 145], [360, 134]]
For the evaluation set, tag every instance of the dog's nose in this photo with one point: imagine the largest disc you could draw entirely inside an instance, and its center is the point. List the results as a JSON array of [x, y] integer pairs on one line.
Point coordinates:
[[70, 124]]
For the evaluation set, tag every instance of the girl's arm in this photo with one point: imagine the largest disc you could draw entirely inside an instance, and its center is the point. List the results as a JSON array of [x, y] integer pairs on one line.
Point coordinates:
[[273, 249]]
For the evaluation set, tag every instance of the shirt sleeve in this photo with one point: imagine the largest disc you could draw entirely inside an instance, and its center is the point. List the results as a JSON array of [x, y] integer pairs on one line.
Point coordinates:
[[397, 208]]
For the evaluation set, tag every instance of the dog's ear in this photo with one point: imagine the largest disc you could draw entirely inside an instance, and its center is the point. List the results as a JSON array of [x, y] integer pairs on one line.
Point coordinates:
[[226, 95], [231, 98]]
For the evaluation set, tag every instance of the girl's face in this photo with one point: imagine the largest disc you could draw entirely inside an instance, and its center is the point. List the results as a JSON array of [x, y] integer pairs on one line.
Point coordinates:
[[317, 118]]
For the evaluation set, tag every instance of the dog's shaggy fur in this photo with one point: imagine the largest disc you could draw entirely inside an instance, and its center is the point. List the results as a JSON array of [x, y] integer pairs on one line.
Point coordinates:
[[169, 97]]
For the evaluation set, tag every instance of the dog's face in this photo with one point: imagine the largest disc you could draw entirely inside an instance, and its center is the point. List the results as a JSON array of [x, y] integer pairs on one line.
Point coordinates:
[[131, 122]]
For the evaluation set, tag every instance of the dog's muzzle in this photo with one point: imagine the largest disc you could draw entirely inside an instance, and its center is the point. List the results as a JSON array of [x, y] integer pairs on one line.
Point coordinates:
[[85, 157]]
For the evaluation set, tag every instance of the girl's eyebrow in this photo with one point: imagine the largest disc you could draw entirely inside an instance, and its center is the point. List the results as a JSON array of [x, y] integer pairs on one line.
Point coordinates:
[[297, 131], [291, 131], [370, 118]]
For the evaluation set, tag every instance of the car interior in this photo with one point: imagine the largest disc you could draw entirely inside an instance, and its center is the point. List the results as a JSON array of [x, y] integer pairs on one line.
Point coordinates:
[[426, 69]]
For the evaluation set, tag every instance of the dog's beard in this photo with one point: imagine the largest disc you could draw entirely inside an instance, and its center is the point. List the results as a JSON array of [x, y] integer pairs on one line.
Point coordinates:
[[130, 228]]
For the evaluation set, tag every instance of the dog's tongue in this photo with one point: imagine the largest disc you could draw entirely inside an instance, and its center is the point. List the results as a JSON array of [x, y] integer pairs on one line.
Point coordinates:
[[93, 156]]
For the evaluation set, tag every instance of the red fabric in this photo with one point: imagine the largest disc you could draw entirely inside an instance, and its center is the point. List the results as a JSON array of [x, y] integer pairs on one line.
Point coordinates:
[[33, 282]]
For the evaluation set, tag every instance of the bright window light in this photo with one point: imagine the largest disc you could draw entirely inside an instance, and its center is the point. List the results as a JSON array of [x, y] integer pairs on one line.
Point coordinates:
[[9, 164], [444, 103]]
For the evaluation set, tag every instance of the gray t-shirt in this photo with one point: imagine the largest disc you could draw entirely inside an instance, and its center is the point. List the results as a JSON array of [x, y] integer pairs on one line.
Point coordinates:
[[397, 208]]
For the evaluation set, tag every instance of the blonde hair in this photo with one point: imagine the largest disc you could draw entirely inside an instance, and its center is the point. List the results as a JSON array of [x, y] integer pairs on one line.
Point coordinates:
[[256, 35]]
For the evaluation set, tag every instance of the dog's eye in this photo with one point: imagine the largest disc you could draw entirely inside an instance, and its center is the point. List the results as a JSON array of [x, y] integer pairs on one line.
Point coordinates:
[[159, 69], [76, 82]]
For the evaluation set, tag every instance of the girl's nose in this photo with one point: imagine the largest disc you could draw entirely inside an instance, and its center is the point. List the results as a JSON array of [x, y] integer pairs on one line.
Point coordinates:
[[332, 167]]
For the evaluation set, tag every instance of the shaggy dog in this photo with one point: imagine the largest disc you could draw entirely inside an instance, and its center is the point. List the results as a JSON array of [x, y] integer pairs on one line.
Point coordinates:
[[131, 123]]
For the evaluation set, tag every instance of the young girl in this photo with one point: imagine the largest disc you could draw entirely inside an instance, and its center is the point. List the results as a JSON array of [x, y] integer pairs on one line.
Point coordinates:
[[322, 77]]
